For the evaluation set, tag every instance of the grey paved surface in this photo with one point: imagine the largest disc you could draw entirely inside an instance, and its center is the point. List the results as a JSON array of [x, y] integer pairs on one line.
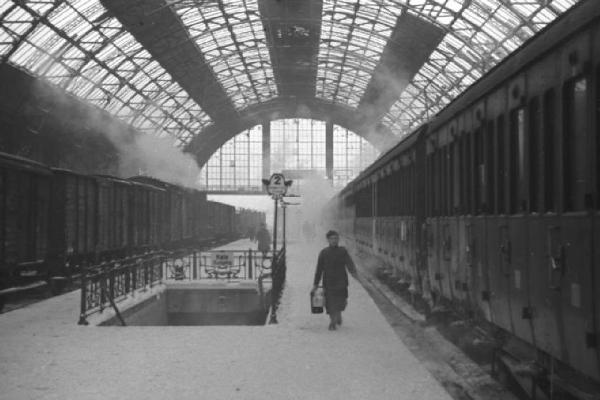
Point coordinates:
[[45, 355]]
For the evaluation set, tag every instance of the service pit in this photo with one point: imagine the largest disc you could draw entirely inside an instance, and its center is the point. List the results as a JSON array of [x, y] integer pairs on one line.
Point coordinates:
[[193, 303]]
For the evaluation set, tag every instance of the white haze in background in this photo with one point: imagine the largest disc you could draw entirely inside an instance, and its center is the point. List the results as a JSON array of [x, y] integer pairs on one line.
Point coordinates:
[[141, 154], [157, 157]]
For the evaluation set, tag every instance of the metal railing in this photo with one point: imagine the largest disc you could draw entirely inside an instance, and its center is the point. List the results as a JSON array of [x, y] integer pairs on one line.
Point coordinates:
[[278, 272], [216, 264], [104, 284]]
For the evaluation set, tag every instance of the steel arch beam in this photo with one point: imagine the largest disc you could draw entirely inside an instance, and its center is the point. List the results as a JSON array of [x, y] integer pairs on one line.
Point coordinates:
[[207, 142]]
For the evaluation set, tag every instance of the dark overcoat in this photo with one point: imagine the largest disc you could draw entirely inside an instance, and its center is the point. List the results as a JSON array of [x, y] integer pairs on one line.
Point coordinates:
[[332, 266]]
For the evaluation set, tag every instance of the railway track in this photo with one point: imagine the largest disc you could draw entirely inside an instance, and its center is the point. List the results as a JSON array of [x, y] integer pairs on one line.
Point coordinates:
[[463, 378]]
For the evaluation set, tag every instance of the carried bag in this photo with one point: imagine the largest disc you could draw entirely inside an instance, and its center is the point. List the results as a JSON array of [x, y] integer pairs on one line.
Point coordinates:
[[317, 301]]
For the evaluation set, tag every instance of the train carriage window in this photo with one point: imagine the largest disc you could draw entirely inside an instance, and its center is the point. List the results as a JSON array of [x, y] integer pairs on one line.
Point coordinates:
[[549, 155], [408, 190], [575, 144], [456, 189], [472, 173], [429, 183], [467, 175], [479, 172], [535, 116], [437, 183], [364, 202], [491, 181], [461, 174], [403, 191], [411, 189], [517, 160], [3, 226], [501, 165], [450, 179], [447, 173], [597, 136]]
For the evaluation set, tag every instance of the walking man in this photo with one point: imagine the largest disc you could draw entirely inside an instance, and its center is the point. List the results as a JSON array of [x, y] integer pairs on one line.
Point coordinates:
[[331, 266], [264, 239]]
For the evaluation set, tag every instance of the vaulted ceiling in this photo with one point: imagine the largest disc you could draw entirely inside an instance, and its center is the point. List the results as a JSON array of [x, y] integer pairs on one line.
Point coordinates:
[[203, 70]]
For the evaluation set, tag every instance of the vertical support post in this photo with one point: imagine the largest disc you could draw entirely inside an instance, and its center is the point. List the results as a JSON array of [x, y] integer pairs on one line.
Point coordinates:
[[250, 264], [83, 305], [275, 229], [266, 148], [111, 282], [284, 238], [195, 265], [329, 150], [135, 266]]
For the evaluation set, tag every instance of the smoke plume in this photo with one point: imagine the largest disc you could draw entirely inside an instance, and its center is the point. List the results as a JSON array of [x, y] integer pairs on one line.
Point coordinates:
[[139, 153]]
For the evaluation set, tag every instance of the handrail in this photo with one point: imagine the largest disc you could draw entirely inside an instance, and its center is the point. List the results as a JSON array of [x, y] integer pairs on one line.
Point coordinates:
[[278, 273], [106, 282], [191, 265]]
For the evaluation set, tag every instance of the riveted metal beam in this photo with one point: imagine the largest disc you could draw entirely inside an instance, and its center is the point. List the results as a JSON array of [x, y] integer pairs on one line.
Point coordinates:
[[213, 137], [293, 30], [411, 43], [158, 28]]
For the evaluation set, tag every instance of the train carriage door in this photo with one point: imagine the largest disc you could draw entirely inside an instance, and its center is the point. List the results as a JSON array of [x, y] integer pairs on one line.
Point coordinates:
[[593, 337], [432, 233], [3, 225], [540, 125], [578, 301], [497, 295], [518, 219]]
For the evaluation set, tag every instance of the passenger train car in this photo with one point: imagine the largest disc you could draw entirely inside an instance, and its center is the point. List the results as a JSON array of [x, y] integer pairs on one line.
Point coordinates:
[[53, 221], [493, 206]]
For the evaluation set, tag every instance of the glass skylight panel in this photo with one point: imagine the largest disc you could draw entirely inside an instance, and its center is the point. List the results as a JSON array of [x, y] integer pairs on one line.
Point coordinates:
[[97, 60], [359, 46], [240, 60], [104, 64], [478, 37]]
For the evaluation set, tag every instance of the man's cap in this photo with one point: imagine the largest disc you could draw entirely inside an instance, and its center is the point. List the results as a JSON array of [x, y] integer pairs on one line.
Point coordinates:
[[332, 233]]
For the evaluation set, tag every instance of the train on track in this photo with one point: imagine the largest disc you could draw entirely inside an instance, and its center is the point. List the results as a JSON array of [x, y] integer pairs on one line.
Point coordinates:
[[492, 207], [53, 221]]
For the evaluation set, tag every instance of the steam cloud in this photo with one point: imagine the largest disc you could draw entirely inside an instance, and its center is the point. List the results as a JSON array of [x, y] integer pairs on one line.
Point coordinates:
[[139, 154], [156, 157]]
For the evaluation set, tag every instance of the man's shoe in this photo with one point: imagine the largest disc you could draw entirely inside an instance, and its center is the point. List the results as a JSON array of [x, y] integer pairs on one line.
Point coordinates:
[[332, 326], [339, 319]]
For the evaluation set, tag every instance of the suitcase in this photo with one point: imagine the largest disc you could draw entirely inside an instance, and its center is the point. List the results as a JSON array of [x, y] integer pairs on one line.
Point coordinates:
[[317, 301]]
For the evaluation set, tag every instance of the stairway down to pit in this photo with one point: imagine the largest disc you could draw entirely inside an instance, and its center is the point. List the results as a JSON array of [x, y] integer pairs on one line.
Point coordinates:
[[197, 303]]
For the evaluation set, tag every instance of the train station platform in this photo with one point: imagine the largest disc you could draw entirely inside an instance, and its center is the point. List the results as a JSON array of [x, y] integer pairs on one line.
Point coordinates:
[[44, 354]]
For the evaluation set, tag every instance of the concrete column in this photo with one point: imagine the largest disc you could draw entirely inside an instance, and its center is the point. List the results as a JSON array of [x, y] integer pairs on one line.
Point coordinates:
[[266, 149], [329, 150]]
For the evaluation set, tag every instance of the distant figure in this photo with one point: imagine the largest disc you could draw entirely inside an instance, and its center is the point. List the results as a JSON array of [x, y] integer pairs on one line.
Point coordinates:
[[308, 231], [331, 266], [251, 233], [264, 239]]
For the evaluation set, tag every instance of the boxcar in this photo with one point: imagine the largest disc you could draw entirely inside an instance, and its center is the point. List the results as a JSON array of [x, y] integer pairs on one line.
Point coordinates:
[[179, 213], [114, 217], [73, 234], [24, 219]]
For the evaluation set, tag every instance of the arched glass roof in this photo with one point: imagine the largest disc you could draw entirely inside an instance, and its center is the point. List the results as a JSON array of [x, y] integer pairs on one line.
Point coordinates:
[[479, 34], [76, 45], [233, 42], [81, 46]]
